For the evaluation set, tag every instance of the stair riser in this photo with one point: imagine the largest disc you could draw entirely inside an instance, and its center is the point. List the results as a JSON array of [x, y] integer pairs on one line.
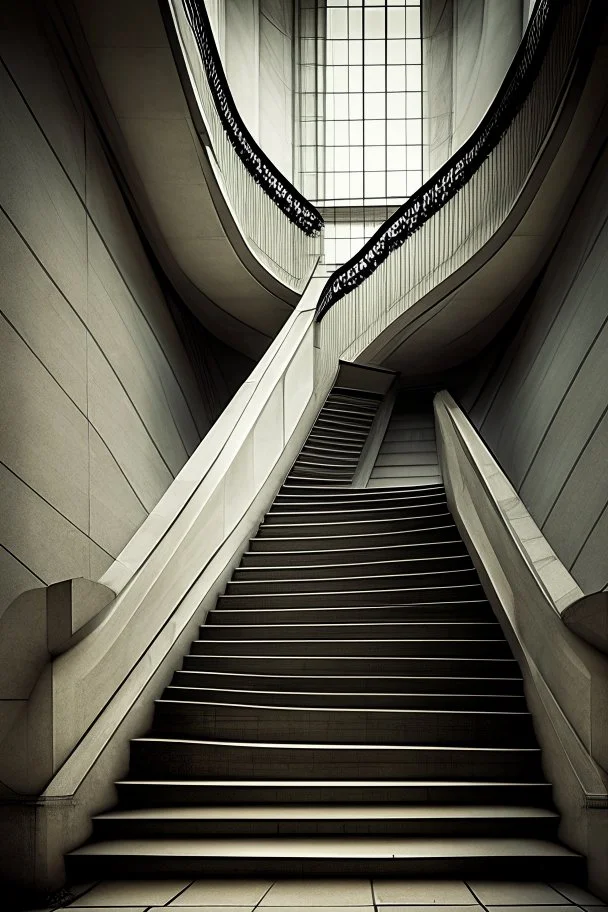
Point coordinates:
[[338, 542], [427, 611], [294, 665], [303, 726], [468, 649], [397, 502], [191, 795], [385, 826], [366, 599], [338, 631], [413, 552], [354, 583], [355, 685], [356, 495], [563, 869], [465, 703], [300, 529], [286, 516], [179, 759]]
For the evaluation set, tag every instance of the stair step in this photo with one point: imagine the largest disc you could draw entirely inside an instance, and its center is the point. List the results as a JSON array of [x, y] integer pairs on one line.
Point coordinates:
[[276, 539], [327, 820], [347, 526], [288, 503], [336, 856], [156, 792], [343, 665], [326, 598], [458, 576], [420, 551], [326, 494], [194, 758], [353, 684], [374, 568], [284, 514], [369, 648], [294, 724], [338, 700], [383, 630], [465, 610]]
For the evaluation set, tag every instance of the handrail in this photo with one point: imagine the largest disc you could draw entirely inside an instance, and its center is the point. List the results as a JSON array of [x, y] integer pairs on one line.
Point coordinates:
[[460, 168], [289, 200]]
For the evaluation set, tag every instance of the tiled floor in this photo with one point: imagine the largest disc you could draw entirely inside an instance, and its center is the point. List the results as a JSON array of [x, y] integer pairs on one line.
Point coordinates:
[[332, 895]]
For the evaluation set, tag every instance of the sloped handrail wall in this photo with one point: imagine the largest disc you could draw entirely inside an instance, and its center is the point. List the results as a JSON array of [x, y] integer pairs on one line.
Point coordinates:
[[279, 223], [447, 226]]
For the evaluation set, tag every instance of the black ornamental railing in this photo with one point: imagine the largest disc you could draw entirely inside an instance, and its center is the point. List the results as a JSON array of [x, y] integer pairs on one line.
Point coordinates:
[[282, 192], [459, 169]]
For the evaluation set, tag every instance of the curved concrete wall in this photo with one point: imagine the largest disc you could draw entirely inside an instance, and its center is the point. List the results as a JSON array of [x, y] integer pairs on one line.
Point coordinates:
[[468, 48], [543, 406], [100, 404]]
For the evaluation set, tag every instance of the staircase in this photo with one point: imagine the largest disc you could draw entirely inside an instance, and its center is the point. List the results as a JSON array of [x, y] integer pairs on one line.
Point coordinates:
[[351, 704]]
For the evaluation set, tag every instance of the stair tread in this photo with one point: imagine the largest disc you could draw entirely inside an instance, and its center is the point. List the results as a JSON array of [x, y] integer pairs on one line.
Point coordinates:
[[328, 811], [337, 746], [331, 847]]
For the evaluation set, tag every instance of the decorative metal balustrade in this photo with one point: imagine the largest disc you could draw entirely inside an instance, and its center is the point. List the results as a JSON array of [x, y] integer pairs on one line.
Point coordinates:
[[278, 222], [511, 133]]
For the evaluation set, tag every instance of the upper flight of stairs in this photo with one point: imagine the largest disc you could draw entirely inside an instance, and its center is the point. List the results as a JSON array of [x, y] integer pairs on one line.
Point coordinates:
[[350, 705]]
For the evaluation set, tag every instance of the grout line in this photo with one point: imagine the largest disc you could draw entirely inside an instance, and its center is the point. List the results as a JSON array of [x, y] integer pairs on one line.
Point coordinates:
[[474, 894], [179, 893], [264, 895]]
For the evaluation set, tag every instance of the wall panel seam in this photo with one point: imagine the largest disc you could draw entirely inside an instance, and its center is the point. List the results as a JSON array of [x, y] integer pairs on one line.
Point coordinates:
[[19, 561]]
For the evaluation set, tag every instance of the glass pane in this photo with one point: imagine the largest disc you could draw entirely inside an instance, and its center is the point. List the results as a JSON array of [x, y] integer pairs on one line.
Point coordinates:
[[355, 52], [337, 52], [341, 184], [341, 159], [354, 23], [375, 133], [356, 133], [374, 23], [395, 51], [356, 158], [337, 23], [412, 23], [375, 159], [395, 78], [374, 105], [414, 181], [413, 51], [396, 184], [414, 158], [395, 158], [374, 51], [395, 132], [413, 132], [356, 185], [355, 107], [375, 184], [375, 79], [340, 132], [414, 82], [395, 105], [395, 27], [355, 79], [414, 104]]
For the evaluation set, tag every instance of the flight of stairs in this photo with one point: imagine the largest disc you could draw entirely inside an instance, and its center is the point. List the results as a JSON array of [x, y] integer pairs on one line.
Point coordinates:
[[351, 706]]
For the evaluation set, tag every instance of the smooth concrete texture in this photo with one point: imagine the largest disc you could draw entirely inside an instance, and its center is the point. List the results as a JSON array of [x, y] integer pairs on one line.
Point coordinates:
[[468, 46], [231, 254], [167, 577], [566, 680], [408, 452], [542, 407], [101, 406]]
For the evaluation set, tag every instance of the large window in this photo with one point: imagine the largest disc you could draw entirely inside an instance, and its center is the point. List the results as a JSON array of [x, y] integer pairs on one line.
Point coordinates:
[[363, 130]]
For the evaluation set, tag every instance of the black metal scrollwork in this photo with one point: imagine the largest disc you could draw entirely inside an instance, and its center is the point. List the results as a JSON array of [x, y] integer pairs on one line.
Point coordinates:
[[458, 170], [282, 192]]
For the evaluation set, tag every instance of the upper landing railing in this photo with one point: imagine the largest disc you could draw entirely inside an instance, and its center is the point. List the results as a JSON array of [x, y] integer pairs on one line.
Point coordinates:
[[445, 226], [279, 223]]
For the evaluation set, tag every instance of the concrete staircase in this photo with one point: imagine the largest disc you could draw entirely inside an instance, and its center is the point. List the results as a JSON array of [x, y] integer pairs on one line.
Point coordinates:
[[351, 705]]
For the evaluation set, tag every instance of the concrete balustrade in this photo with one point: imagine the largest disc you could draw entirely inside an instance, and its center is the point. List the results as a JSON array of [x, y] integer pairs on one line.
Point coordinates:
[[533, 595]]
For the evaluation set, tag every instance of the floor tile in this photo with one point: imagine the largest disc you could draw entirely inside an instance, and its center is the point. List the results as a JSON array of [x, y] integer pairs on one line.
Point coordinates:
[[235, 892], [512, 893], [543, 908], [207, 908], [131, 893], [109, 908], [422, 892], [319, 892], [429, 908], [578, 895]]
